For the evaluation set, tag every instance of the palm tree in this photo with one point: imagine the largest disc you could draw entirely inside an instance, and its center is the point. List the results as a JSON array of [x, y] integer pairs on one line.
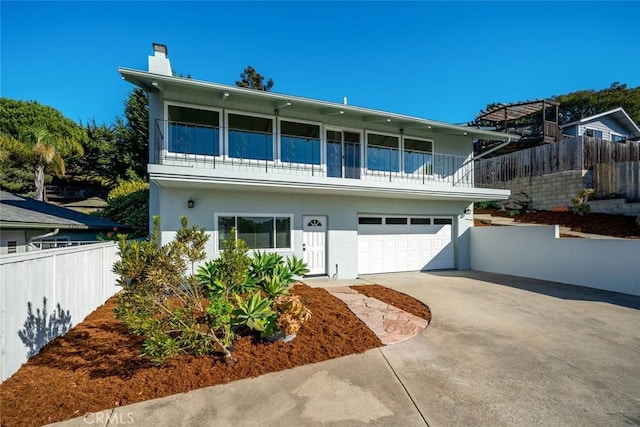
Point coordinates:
[[44, 150]]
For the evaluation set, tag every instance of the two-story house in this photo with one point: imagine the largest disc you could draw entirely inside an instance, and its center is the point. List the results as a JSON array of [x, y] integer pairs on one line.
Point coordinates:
[[351, 190]]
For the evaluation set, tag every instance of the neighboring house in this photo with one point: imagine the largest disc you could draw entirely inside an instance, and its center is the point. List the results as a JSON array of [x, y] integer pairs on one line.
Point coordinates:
[[27, 224], [613, 125], [351, 190], [87, 206]]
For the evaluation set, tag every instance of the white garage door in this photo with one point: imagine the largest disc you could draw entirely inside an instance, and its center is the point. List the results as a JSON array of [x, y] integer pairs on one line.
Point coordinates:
[[403, 243]]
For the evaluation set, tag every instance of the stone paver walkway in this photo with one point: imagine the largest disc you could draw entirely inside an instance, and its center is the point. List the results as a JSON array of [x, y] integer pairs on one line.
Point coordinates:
[[389, 323]]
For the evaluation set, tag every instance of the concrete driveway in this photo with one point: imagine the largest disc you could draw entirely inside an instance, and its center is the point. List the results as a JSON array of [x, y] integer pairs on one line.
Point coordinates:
[[503, 350], [500, 350]]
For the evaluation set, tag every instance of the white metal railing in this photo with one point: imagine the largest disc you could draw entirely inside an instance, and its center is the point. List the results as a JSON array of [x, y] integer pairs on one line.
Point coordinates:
[[268, 152]]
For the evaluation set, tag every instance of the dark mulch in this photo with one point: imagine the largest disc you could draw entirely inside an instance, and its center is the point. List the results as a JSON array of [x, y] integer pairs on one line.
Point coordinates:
[[396, 299], [97, 365], [594, 223]]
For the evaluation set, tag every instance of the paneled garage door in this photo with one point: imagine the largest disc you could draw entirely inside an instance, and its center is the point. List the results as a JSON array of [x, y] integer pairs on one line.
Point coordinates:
[[404, 243]]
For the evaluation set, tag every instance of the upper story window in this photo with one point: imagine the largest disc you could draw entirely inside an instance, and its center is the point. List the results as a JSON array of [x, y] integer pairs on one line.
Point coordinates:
[[250, 137], [383, 152], [299, 142], [418, 156], [193, 131]]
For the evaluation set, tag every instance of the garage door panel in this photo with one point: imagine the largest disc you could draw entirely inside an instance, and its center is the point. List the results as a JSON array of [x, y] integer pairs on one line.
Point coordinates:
[[388, 248]]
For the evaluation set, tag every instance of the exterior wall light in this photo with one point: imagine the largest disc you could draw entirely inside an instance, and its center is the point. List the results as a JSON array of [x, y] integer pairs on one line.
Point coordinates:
[[191, 203]]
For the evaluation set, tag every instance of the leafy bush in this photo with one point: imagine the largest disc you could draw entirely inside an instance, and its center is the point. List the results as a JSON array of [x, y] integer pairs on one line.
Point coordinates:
[[161, 298], [180, 310], [128, 204], [492, 204], [580, 205]]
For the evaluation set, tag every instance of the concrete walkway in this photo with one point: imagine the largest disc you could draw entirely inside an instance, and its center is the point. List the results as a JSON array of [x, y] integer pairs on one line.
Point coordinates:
[[389, 323], [500, 351]]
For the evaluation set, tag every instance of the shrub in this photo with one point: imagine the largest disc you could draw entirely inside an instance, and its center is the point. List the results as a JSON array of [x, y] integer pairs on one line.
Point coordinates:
[[180, 310], [128, 204], [492, 204], [162, 299], [580, 205]]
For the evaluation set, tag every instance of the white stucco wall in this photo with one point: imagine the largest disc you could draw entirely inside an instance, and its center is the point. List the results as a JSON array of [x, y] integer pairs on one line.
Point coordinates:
[[538, 253], [341, 212]]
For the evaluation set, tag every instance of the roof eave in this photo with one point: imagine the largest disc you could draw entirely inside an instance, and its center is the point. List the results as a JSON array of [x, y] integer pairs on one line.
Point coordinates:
[[145, 80]]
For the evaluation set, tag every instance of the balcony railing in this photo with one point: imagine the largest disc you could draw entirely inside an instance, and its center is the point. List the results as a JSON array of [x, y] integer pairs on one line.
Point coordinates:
[[266, 152]]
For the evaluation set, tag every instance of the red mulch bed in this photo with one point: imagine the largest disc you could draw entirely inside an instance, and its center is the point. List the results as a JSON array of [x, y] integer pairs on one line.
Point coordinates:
[[396, 299], [97, 365], [594, 223]]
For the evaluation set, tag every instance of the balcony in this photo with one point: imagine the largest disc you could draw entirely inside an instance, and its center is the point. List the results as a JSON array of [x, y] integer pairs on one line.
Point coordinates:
[[287, 158]]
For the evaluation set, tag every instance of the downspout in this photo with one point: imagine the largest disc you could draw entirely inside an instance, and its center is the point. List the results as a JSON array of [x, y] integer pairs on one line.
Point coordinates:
[[481, 155], [41, 236]]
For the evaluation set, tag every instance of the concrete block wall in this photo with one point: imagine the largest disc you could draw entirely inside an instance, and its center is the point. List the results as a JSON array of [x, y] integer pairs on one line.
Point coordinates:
[[614, 207], [551, 190]]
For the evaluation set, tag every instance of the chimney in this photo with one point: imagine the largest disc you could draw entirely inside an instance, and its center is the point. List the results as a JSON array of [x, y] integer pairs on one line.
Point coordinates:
[[159, 63]]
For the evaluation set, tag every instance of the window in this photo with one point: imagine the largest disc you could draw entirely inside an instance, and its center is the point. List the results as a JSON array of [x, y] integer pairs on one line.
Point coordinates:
[[442, 221], [594, 133], [370, 220], [12, 247], [618, 138], [250, 137], [395, 221], [418, 156], [193, 131], [420, 221], [299, 143], [259, 232], [383, 153]]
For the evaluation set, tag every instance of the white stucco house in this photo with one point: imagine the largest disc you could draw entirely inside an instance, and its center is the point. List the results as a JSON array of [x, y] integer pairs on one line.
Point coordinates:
[[613, 125], [351, 190]]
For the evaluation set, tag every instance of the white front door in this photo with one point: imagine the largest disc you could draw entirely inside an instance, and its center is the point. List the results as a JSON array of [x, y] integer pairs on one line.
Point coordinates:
[[314, 231]]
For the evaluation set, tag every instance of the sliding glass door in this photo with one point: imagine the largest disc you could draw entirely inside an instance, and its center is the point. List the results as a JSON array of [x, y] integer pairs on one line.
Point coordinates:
[[343, 154]]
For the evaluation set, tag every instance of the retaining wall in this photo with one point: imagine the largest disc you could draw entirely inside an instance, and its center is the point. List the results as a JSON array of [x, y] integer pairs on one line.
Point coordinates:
[[538, 253]]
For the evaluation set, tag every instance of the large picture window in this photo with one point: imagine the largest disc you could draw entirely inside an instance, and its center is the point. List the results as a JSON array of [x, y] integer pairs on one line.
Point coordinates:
[[250, 137], [383, 152], [418, 157], [193, 131], [259, 232], [299, 143]]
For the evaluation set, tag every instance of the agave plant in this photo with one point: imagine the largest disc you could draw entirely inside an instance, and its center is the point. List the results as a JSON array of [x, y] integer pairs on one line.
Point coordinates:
[[263, 264], [279, 282], [255, 312], [297, 266]]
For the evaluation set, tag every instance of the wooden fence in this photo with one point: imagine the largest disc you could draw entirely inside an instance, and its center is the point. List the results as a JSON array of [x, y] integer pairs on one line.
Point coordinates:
[[617, 178], [570, 154]]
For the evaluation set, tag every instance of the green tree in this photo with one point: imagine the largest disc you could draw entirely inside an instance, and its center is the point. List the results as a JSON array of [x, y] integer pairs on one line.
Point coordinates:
[[251, 79], [132, 134], [101, 162], [128, 204], [583, 103], [36, 139]]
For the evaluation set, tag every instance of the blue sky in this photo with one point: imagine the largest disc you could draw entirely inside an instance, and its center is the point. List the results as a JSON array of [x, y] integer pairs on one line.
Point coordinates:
[[442, 61]]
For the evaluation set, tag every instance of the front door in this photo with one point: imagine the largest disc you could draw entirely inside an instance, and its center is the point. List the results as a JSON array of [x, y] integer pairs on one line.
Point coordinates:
[[314, 231]]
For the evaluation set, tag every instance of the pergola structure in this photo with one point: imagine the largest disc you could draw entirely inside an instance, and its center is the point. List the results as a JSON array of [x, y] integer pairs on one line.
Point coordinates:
[[508, 118]]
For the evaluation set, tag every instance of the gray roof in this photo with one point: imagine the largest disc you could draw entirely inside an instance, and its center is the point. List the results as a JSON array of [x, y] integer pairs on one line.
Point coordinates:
[[24, 212], [617, 114]]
